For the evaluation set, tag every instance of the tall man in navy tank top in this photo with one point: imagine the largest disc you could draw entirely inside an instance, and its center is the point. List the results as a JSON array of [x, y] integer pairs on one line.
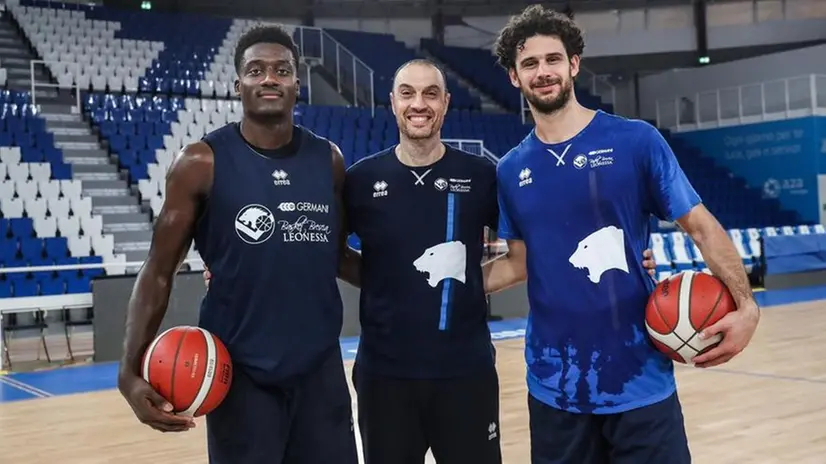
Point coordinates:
[[576, 196], [262, 201]]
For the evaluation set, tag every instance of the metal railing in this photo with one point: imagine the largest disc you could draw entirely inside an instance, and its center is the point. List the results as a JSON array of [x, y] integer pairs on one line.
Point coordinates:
[[353, 77], [761, 101], [475, 146], [34, 84], [599, 86]]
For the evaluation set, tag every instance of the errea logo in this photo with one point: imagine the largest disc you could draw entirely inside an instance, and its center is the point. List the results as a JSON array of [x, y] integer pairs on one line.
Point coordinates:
[[525, 177], [380, 189], [280, 177]]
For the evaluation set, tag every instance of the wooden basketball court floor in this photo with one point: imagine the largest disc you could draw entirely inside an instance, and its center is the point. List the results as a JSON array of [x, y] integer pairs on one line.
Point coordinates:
[[766, 406]]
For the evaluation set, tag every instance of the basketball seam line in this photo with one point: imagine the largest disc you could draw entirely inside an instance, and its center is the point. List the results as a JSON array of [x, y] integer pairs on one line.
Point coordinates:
[[708, 316], [672, 332], [174, 368]]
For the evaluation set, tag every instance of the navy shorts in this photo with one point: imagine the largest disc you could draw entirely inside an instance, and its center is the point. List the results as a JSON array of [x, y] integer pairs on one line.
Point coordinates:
[[456, 418], [309, 423], [653, 434]]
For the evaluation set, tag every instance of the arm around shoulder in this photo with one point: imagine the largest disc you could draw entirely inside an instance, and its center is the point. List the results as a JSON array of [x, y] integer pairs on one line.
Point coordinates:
[[349, 269], [507, 270]]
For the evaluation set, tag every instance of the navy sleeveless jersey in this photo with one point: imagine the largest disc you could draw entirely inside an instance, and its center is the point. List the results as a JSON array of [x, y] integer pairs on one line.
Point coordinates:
[[269, 235], [583, 209], [423, 309]]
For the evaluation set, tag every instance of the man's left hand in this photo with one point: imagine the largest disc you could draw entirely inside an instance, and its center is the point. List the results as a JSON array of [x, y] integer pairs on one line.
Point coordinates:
[[648, 262], [737, 329]]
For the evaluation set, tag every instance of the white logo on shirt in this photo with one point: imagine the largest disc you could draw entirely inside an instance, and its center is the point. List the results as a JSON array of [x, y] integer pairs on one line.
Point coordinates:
[[380, 189], [254, 224], [601, 252], [420, 179], [560, 159], [303, 206], [443, 261], [525, 177], [304, 229], [280, 177]]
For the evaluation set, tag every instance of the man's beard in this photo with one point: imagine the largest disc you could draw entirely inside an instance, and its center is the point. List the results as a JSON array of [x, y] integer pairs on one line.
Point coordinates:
[[549, 107]]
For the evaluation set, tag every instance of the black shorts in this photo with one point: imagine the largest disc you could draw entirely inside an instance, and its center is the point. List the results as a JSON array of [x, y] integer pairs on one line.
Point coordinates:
[[310, 423], [456, 418], [653, 434]]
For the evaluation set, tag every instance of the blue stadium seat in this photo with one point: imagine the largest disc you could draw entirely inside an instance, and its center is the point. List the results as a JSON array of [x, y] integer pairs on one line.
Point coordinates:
[[384, 64]]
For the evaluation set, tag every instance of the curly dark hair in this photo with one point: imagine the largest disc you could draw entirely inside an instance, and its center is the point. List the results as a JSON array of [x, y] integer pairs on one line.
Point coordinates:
[[264, 34], [537, 20]]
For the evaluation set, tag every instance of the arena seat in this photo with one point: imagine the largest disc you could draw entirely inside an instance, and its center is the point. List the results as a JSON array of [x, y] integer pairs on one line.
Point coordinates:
[[45, 220], [384, 64]]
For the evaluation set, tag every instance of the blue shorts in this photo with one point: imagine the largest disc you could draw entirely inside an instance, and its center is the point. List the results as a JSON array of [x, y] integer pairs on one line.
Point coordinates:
[[310, 422], [653, 434]]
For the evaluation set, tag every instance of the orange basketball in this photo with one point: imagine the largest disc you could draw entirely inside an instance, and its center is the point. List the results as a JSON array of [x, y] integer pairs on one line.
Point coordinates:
[[190, 368], [680, 308]]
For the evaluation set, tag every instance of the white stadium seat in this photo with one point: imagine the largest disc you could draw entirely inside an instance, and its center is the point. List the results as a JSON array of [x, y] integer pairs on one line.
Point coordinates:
[[679, 251], [91, 225], [69, 226]]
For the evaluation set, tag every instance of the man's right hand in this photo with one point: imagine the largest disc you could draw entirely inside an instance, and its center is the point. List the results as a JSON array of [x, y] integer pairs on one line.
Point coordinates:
[[207, 276], [150, 407]]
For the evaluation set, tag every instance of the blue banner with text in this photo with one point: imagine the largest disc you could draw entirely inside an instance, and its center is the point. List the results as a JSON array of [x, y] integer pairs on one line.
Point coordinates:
[[781, 158]]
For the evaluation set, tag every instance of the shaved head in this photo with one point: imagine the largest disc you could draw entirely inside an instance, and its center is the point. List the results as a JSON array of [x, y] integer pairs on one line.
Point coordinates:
[[420, 62]]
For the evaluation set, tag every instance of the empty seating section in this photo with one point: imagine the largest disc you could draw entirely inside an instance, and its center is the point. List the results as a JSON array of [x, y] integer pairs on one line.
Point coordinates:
[[479, 67], [384, 54], [150, 86], [45, 219], [124, 50], [728, 196], [676, 252]]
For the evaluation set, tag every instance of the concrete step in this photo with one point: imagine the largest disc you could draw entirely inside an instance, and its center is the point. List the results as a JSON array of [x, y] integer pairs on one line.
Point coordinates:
[[132, 240], [125, 227], [85, 161], [57, 108], [49, 117], [68, 139], [107, 192], [126, 218], [14, 52], [16, 62], [128, 203], [86, 153], [95, 145], [9, 41], [118, 184], [70, 131], [93, 176], [137, 255], [75, 126], [116, 209], [21, 72], [94, 169]]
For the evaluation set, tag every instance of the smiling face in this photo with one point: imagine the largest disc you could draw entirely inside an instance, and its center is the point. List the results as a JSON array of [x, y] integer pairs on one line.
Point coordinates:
[[419, 100], [544, 73], [268, 80]]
